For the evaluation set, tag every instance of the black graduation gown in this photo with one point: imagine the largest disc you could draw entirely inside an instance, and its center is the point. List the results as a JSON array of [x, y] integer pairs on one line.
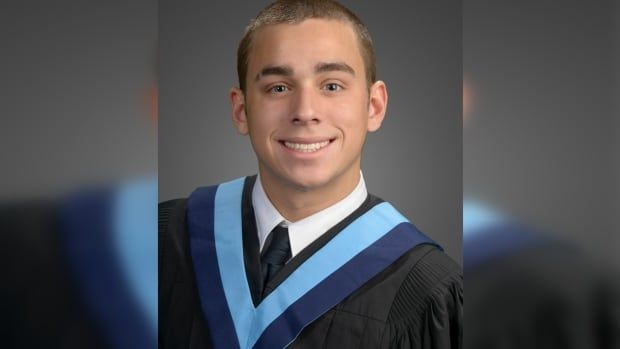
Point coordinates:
[[528, 289], [414, 303], [39, 307], [65, 286]]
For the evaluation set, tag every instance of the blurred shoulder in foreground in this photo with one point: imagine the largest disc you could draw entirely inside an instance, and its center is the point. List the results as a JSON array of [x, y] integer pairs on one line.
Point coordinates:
[[527, 289]]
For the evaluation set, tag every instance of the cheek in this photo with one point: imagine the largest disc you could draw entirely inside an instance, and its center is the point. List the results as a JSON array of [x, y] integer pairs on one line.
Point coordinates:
[[259, 133], [354, 121], [263, 123], [265, 110]]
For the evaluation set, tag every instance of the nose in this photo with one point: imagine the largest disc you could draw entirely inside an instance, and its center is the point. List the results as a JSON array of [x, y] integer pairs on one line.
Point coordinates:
[[305, 106]]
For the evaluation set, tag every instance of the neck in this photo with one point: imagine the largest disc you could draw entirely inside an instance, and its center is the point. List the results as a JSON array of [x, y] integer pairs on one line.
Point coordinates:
[[295, 202]]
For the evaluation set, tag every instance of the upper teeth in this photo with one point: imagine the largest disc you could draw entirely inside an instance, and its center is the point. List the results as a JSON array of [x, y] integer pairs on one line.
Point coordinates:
[[306, 148]]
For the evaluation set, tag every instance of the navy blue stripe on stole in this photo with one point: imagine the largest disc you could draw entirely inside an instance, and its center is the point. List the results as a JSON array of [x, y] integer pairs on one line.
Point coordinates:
[[200, 220], [88, 232], [339, 285], [493, 242]]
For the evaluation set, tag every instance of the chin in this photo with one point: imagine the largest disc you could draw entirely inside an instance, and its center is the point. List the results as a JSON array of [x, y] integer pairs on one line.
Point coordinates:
[[309, 181], [310, 184]]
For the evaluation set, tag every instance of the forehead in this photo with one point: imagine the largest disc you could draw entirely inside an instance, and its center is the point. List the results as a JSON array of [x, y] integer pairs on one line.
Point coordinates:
[[304, 44]]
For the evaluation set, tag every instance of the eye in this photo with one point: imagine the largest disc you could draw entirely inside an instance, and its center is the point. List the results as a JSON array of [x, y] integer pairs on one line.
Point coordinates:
[[278, 89], [332, 87]]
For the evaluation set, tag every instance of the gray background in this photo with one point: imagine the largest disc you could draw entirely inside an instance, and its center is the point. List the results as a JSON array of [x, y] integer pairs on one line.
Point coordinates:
[[73, 79], [542, 141], [414, 161]]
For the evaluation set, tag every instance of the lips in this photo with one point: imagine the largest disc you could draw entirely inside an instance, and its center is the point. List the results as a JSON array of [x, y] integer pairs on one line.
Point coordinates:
[[306, 146]]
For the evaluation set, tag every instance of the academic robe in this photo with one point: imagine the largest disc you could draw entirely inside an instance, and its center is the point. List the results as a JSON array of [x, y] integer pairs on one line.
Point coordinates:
[[414, 302], [66, 283], [529, 289]]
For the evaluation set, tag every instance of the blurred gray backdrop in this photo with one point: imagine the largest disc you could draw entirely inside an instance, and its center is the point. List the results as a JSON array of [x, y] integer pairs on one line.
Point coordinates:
[[74, 77], [542, 141], [414, 161]]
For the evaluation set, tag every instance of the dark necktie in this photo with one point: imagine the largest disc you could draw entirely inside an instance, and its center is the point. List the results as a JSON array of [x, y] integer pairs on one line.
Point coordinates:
[[276, 252]]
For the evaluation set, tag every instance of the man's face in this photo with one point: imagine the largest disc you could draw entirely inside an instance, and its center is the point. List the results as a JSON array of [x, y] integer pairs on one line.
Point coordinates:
[[307, 106]]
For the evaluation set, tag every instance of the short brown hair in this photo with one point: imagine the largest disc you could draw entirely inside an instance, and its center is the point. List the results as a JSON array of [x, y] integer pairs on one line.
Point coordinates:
[[296, 11]]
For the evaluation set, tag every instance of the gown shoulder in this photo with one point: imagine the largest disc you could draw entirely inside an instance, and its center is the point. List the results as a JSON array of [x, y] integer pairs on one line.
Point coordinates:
[[427, 309]]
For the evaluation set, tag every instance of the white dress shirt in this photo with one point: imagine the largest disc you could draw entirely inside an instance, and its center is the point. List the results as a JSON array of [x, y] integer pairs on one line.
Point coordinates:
[[303, 232]]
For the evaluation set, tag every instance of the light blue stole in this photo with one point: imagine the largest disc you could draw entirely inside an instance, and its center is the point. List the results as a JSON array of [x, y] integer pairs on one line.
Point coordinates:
[[359, 252]]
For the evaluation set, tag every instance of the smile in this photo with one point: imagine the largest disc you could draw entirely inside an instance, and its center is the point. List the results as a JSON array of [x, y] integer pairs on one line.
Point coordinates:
[[306, 147]]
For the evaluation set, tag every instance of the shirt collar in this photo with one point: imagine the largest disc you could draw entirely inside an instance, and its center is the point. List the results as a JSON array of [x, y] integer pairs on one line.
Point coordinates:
[[303, 232]]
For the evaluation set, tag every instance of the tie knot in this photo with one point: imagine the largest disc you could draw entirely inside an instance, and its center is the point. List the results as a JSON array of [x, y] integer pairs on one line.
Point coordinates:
[[277, 247]]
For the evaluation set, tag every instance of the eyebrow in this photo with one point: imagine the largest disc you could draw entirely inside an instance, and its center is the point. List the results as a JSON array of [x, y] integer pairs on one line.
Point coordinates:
[[283, 70], [335, 66], [275, 70]]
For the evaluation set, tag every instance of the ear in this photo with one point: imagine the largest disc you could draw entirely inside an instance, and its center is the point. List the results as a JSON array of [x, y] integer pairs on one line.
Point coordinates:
[[377, 105], [237, 102]]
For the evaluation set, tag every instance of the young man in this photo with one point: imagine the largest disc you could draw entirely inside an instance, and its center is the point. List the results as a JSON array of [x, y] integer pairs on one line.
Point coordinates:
[[301, 256]]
